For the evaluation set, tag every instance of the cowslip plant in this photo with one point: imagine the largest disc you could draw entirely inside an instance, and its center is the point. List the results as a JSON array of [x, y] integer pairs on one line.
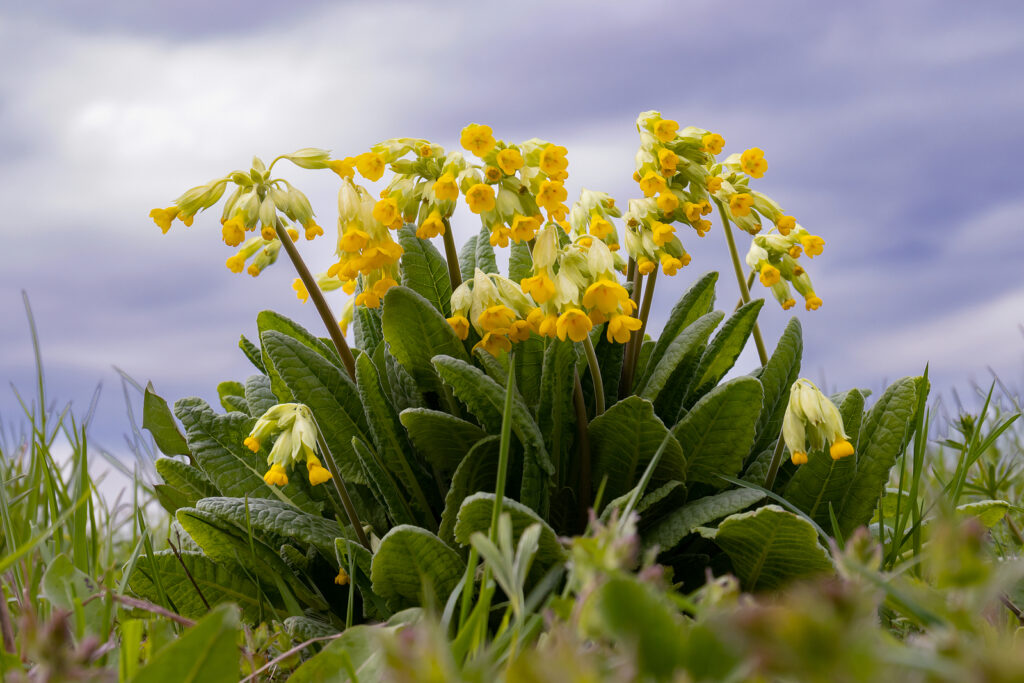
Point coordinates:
[[406, 423]]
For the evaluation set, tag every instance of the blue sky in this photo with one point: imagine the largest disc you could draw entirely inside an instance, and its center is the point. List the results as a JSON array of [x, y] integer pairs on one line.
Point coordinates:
[[891, 129]]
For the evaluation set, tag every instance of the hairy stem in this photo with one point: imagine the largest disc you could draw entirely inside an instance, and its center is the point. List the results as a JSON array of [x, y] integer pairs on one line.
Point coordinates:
[[645, 312], [744, 290], [452, 256], [626, 376], [583, 437], [595, 374], [773, 467], [318, 300], [342, 490]]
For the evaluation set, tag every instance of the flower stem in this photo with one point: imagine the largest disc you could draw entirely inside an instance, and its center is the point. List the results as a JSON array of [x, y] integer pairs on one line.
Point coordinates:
[[595, 375], [452, 256], [319, 301], [744, 290], [339, 486], [504, 447], [773, 467], [583, 450], [626, 377], [645, 312]]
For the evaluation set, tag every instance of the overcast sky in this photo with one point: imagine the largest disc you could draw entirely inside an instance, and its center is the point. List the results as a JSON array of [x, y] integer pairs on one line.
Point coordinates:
[[893, 129]]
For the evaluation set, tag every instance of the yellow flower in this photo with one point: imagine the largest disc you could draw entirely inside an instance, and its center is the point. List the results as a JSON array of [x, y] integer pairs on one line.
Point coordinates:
[[164, 217], [692, 211], [795, 251], [496, 317], [343, 167], [252, 443], [520, 331], [342, 578], [840, 449], [813, 302], [494, 342], [300, 290], [813, 244], [599, 226], [574, 324], [540, 287], [368, 299], [267, 232], [712, 143], [380, 287], [477, 139], [714, 184], [799, 458], [370, 165], [318, 474], [662, 233], [668, 160], [312, 230], [548, 326], [752, 162], [492, 173], [739, 204], [702, 227], [769, 275], [785, 224], [445, 189], [432, 226], [621, 327], [652, 184], [236, 264], [605, 296], [553, 161], [510, 160], [253, 270], [386, 211], [788, 304], [353, 239], [233, 231], [535, 318], [668, 202], [670, 265], [276, 476], [524, 228], [665, 129], [645, 265], [551, 195], [499, 235], [460, 325], [480, 198]]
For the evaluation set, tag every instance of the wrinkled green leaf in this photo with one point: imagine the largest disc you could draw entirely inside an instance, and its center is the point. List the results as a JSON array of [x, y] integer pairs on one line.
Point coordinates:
[[259, 395], [697, 301], [485, 260], [520, 262], [383, 485], [443, 439], [411, 561], [556, 416], [205, 653], [424, 270], [478, 471], [252, 352], [189, 480], [721, 354], [667, 532], [467, 258], [777, 376], [358, 647], [680, 354], [157, 418]]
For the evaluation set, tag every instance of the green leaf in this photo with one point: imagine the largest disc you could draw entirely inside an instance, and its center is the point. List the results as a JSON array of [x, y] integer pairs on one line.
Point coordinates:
[[724, 349], [359, 649], [988, 512], [822, 481], [624, 439], [382, 484], [556, 416], [475, 516], [374, 606], [424, 270], [276, 523], [443, 439], [367, 328], [624, 610], [697, 301], [224, 542], [478, 471], [252, 352], [392, 446], [883, 437], [529, 369], [416, 332], [302, 629], [485, 260], [520, 262], [216, 443], [329, 393], [485, 398], [716, 434], [404, 392], [189, 480], [467, 258], [770, 547], [268, 321], [667, 532], [232, 397], [680, 355], [776, 377], [63, 584], [219, 583], [259, 395], [157, 418], [411, 561], [207, 652]]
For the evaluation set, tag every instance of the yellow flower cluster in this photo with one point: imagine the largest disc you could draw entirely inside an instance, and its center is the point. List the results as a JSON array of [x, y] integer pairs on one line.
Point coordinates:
[[365, 245], [295, 435], [774, 257], [591, 217], [494, 307], [576, 287]]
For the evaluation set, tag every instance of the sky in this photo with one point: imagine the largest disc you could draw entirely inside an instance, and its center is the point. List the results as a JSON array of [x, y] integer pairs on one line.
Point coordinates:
[[891, 129]]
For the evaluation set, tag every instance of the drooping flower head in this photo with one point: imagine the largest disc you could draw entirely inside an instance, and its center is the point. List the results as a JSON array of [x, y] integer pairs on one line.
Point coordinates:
[[812, 421], [294, 432]]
